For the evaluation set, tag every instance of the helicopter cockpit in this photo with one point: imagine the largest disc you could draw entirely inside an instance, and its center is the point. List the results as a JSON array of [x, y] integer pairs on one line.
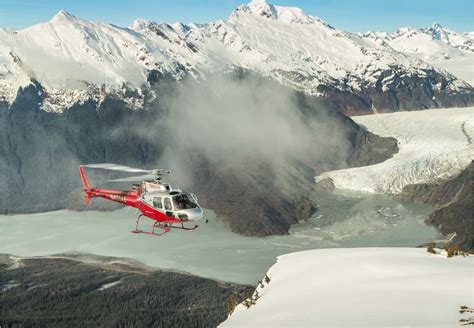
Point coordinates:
[[175, 203], [184, 201]]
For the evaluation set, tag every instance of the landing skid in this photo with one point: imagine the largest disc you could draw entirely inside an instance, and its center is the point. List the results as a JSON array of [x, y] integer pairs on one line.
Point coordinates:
[[164, 226]]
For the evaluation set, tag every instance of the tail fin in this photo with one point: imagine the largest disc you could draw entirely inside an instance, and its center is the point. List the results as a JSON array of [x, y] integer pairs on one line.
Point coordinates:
[[85, 182]]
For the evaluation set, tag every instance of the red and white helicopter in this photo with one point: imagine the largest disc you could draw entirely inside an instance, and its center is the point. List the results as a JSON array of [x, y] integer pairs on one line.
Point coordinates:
[[169, 208]]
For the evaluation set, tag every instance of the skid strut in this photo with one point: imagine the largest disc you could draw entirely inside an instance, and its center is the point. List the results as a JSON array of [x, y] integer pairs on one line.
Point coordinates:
[[164, 226]]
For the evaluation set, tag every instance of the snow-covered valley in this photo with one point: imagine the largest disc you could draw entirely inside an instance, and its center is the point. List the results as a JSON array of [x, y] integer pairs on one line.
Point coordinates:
[[434, 146], [365, 287]]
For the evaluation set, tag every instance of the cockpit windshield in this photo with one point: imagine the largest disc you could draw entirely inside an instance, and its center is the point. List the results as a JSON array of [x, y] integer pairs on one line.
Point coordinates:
[[183, 202]]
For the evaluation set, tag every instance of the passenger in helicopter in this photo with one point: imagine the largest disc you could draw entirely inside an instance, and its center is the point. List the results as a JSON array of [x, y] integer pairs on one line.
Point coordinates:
[[182, 202], [167, 204]]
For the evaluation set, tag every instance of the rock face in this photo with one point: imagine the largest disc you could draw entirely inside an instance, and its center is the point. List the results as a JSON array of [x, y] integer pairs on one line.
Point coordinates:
[[104, 294], [253, 203], [454, 201], [401, 93], [41, 151]]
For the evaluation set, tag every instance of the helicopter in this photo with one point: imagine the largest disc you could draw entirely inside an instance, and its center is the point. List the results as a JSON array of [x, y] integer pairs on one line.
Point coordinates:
[[156, 200]]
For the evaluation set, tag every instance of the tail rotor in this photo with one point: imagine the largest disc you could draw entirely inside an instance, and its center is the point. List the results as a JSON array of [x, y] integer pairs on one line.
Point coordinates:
[[86, 184]]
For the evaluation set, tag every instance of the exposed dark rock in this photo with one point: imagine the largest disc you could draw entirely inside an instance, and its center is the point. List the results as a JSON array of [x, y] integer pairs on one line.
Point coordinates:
[[253, 201], [156, 76], [454, 201], [45, 292], [28, 98], [403, 92], [371, 149], [325, 185], [40, 151]]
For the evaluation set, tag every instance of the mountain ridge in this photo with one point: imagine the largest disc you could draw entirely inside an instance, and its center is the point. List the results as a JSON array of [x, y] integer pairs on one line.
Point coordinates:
[[76, 60]]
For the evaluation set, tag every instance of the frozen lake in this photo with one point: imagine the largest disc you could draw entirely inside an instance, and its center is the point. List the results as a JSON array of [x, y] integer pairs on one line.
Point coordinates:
[[343, 220]]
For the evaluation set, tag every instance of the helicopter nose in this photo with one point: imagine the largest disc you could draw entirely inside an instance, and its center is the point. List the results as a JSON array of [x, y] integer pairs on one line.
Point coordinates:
[[196, 214], [193, 214]]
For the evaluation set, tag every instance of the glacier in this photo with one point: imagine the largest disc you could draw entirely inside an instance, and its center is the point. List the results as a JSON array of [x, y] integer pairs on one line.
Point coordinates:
[[434, 145]]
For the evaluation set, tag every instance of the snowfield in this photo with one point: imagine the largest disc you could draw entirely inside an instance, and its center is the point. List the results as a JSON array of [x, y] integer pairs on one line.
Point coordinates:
[[436, 45], [362, 287], [462, 67], [434, 145]]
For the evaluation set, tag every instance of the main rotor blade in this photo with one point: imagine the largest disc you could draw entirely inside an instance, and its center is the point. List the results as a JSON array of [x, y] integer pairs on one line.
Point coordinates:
[[115, 167], [138, 178]]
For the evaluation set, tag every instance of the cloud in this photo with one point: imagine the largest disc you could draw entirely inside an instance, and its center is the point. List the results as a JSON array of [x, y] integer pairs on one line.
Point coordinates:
[[234, 123]]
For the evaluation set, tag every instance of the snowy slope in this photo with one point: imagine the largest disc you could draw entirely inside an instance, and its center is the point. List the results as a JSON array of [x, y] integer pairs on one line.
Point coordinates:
[[434, 145], [363, 287], [435, 45], [298, 49], [73, 58], [462, 67]]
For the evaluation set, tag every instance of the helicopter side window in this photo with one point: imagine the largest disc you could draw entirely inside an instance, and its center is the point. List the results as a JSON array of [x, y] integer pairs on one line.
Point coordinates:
[[167, 203], [157, 202]]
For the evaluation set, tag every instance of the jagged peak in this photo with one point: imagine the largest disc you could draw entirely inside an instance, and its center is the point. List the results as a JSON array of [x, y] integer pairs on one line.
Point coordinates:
[[261, 8], [141, 23], [178, 25], [180, 28], [197, 25], [405, 29], [374, 35], [258, 3], [63, 15], [258, 7]]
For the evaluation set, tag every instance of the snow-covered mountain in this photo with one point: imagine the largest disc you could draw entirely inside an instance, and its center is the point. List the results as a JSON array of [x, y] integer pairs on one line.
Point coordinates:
[[75, 60], [434, 42], [361, 287], [435, 45]]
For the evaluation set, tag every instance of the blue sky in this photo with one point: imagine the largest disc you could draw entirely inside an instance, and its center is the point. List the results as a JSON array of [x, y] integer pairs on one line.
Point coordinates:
[[352, 15]]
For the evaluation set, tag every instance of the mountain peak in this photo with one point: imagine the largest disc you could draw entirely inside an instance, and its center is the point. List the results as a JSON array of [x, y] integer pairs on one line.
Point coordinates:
[[263, 8], [258, 3], [283, 14], [141, 24], [438, 32], [62, 15]]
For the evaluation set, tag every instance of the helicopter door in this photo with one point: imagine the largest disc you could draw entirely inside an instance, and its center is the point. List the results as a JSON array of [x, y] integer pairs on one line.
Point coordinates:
[[168, 206]]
